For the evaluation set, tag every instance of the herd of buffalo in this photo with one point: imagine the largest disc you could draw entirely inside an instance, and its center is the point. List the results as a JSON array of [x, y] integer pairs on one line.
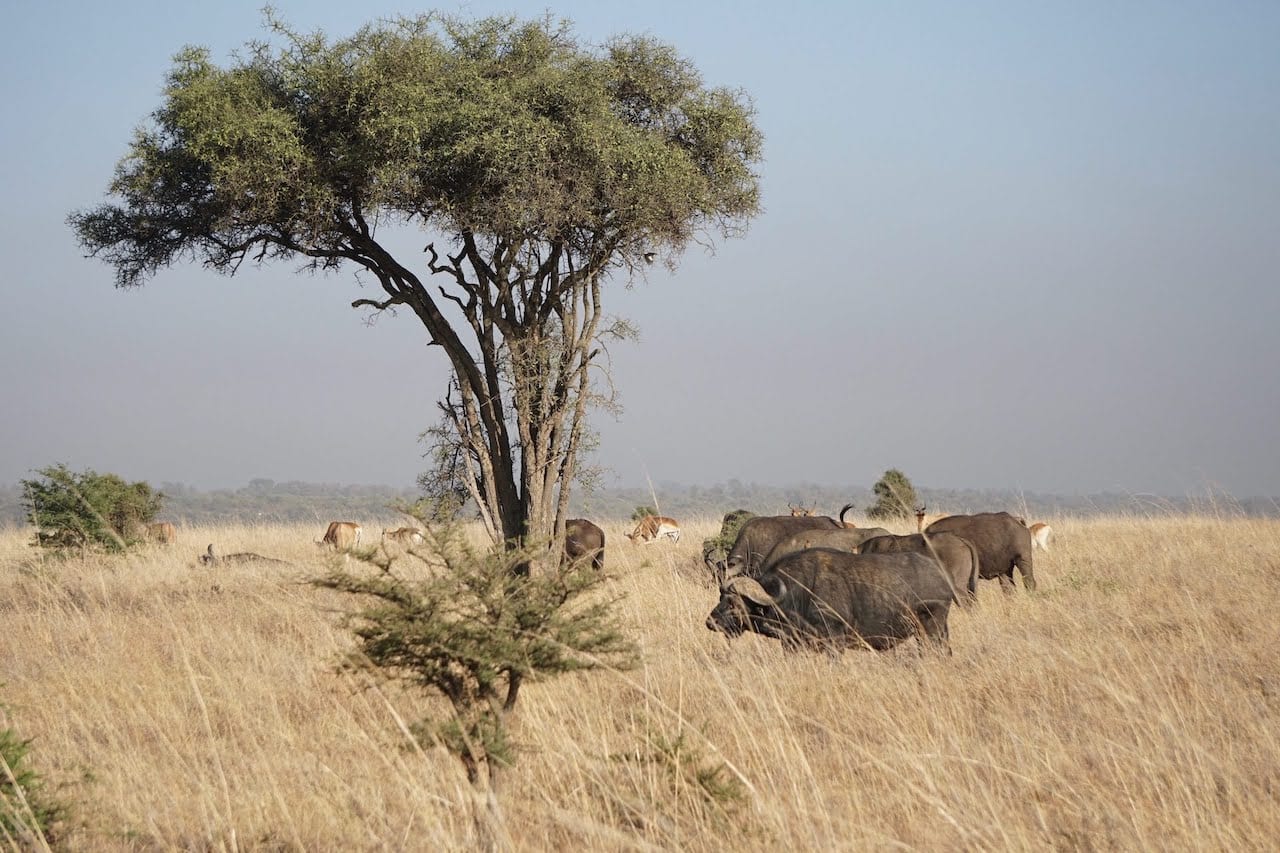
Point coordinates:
[[810, 580], [815, 581]]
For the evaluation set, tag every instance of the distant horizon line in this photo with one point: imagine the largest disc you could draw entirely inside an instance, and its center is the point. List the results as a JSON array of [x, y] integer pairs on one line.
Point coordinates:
[[1207, 491]]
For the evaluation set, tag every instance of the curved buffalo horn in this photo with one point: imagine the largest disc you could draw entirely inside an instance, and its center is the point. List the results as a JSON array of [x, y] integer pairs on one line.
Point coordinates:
[[750, 589]]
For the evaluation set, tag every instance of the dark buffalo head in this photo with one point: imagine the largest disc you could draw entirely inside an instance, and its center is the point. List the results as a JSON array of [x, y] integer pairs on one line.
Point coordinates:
[[745, 605]]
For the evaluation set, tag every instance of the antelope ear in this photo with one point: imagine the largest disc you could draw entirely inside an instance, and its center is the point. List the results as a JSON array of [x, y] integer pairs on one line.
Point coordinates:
[[748, 588]]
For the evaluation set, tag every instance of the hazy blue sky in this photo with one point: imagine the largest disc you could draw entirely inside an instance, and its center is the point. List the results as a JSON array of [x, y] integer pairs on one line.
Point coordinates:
[[1005, 245]]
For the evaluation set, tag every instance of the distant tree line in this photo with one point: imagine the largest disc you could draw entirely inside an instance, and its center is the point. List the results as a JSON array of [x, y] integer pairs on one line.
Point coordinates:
[[262, 501], [684, 501], [269, 502]]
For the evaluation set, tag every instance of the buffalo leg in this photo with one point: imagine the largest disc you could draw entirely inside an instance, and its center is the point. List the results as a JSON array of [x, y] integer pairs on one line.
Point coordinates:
[[1028, 579], [933, 620]]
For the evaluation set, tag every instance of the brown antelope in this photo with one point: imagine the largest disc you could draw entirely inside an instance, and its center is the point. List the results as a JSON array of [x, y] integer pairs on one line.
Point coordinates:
[[799, 511], [1040, 533], [654, 527], [923, 521], [403, 535], [342, 535], [162, 532]]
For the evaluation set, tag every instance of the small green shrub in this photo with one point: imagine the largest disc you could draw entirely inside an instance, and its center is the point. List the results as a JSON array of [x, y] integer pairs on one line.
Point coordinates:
[[692, 777], [717, 548], [88, 510], [895, 497], [473, 630], [29, 817]]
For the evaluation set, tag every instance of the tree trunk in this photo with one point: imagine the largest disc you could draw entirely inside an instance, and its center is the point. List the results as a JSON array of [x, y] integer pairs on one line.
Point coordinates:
[[491, 822]]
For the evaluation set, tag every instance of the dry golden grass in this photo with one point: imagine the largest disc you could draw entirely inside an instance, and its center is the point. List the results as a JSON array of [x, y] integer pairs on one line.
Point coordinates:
[[1133, 703]]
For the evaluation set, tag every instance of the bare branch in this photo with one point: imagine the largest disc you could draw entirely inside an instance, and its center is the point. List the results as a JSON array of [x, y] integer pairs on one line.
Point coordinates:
[[381, 306], [466, 307]]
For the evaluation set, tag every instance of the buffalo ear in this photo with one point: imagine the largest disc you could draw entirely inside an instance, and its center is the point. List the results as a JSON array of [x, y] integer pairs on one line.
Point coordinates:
[[774, 586], [748, 588]]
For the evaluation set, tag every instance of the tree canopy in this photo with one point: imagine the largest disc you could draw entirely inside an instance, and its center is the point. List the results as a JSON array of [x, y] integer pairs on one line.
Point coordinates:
[[544, 165], [501, 129]]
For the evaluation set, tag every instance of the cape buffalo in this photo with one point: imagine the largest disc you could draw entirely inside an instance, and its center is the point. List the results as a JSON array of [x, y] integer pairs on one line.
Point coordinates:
[[842, 539], [583, 539], [1002, 543], [758, 535], [823, 598], [955, 556]]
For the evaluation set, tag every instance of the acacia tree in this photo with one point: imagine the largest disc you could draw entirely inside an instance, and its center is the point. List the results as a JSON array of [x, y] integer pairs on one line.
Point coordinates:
[[86, 509], [543, 166], [895, 496]]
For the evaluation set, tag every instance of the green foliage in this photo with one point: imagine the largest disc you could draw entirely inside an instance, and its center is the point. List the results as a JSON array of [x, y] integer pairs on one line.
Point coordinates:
[[895, 497], [474, 631], [28, 814], [496, 126], [444, 484], [689, 779], [687, 765], [88, 510], [718, 547], [642, 512]]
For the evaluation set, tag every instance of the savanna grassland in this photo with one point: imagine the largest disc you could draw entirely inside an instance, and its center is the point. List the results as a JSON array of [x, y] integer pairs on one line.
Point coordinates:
[[1133, 702]]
